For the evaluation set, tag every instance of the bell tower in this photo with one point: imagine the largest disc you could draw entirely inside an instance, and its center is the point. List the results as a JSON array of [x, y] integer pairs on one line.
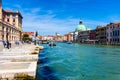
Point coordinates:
[[1, 9]]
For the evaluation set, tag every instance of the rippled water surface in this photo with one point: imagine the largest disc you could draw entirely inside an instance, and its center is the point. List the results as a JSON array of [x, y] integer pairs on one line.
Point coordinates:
[[79, 62]]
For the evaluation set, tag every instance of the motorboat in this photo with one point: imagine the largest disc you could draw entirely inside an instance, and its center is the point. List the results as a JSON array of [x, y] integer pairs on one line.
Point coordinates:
[[45, 42], [52, 44], [69, 42]]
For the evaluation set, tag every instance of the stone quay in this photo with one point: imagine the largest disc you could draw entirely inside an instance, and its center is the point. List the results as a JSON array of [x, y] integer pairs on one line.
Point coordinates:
[[19, 62]]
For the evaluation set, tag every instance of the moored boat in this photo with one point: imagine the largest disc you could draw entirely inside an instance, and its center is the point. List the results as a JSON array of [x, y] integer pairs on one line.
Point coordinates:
[[52, 44]]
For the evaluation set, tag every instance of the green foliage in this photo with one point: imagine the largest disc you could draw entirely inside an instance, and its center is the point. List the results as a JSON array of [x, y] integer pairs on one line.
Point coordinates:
[[26, 37]]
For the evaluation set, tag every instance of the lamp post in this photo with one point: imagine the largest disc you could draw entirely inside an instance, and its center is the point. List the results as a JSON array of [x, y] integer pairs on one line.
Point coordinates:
[[36, 34], [7, 36], [7, 40]]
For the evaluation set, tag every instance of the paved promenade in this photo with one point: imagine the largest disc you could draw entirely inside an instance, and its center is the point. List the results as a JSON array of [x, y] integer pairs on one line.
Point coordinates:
[[19, 59], [12, 46], [1, 46]]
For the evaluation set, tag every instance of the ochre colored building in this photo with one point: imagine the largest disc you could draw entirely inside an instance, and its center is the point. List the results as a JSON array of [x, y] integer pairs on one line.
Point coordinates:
[[68, 37], [10, 24]]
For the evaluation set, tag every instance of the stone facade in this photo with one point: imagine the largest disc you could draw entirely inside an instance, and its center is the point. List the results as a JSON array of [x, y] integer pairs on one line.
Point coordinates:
[[83, 36], [92, 35], [68, 37], [101, 35], [113, 33], [10, 24]]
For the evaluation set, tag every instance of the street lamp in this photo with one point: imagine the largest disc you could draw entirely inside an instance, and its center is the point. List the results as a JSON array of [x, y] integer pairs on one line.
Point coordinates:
[[7, 40], [36, 34], [7, 36]]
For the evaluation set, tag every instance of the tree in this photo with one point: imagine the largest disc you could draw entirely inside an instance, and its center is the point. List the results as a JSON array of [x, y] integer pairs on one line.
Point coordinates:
[[26, 37]]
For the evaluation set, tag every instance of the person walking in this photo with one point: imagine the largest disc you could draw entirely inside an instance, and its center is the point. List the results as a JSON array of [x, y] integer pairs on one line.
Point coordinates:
[[4, 44], [7, 46]]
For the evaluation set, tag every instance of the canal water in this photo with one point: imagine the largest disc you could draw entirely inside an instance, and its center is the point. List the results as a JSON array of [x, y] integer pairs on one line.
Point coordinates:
[[79, 62]]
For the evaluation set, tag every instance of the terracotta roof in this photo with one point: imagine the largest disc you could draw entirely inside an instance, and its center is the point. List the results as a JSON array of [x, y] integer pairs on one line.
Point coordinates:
[[117, 23], [113, 24], [8, 11]]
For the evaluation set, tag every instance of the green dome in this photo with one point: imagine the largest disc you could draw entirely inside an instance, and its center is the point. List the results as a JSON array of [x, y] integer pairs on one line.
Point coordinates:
[[80, 27]]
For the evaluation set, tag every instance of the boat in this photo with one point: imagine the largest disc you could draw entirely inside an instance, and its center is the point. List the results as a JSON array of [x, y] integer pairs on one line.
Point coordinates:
[[45, 42], [69, 42], [52, 44]]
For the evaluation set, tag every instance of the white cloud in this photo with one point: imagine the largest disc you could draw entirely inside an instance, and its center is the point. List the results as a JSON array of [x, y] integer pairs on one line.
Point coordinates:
[[47, 23]]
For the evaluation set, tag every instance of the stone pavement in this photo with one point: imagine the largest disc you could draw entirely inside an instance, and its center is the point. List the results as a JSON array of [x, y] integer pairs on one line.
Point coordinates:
[[18, 60], [12, 46], [1, 46]]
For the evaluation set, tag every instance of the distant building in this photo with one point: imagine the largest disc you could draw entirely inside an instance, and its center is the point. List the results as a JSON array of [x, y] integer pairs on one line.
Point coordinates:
[[48, 37], [65, 38], [68, 37], [10, 24], [113, 33], [58, 37], [30, 34], [109, 34], [92, 35], [101, 35], [81, 33], [83, 36]]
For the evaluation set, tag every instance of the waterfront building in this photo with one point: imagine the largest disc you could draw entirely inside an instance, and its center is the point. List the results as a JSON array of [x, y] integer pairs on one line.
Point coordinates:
[[83, 36], [81, 33], [101, 34], [65, 37], [48, 37], [10, 24], [92, 35], [68, 37], [109, 34], [58, 37], [113, 33], [75, 36]]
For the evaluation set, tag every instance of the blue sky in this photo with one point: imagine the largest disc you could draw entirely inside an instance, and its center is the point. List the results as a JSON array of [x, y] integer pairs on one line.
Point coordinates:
[[62, 16]]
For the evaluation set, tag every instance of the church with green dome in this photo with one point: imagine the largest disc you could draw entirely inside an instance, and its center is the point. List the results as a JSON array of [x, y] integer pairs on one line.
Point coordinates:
[[82, 27], [80, 31]]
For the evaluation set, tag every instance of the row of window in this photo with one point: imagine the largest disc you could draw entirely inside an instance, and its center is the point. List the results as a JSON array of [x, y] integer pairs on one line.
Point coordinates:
[[10, 30], [114, 26], [13, 15], [115, 33], [115, 40], [8, 20], [10, 37]]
